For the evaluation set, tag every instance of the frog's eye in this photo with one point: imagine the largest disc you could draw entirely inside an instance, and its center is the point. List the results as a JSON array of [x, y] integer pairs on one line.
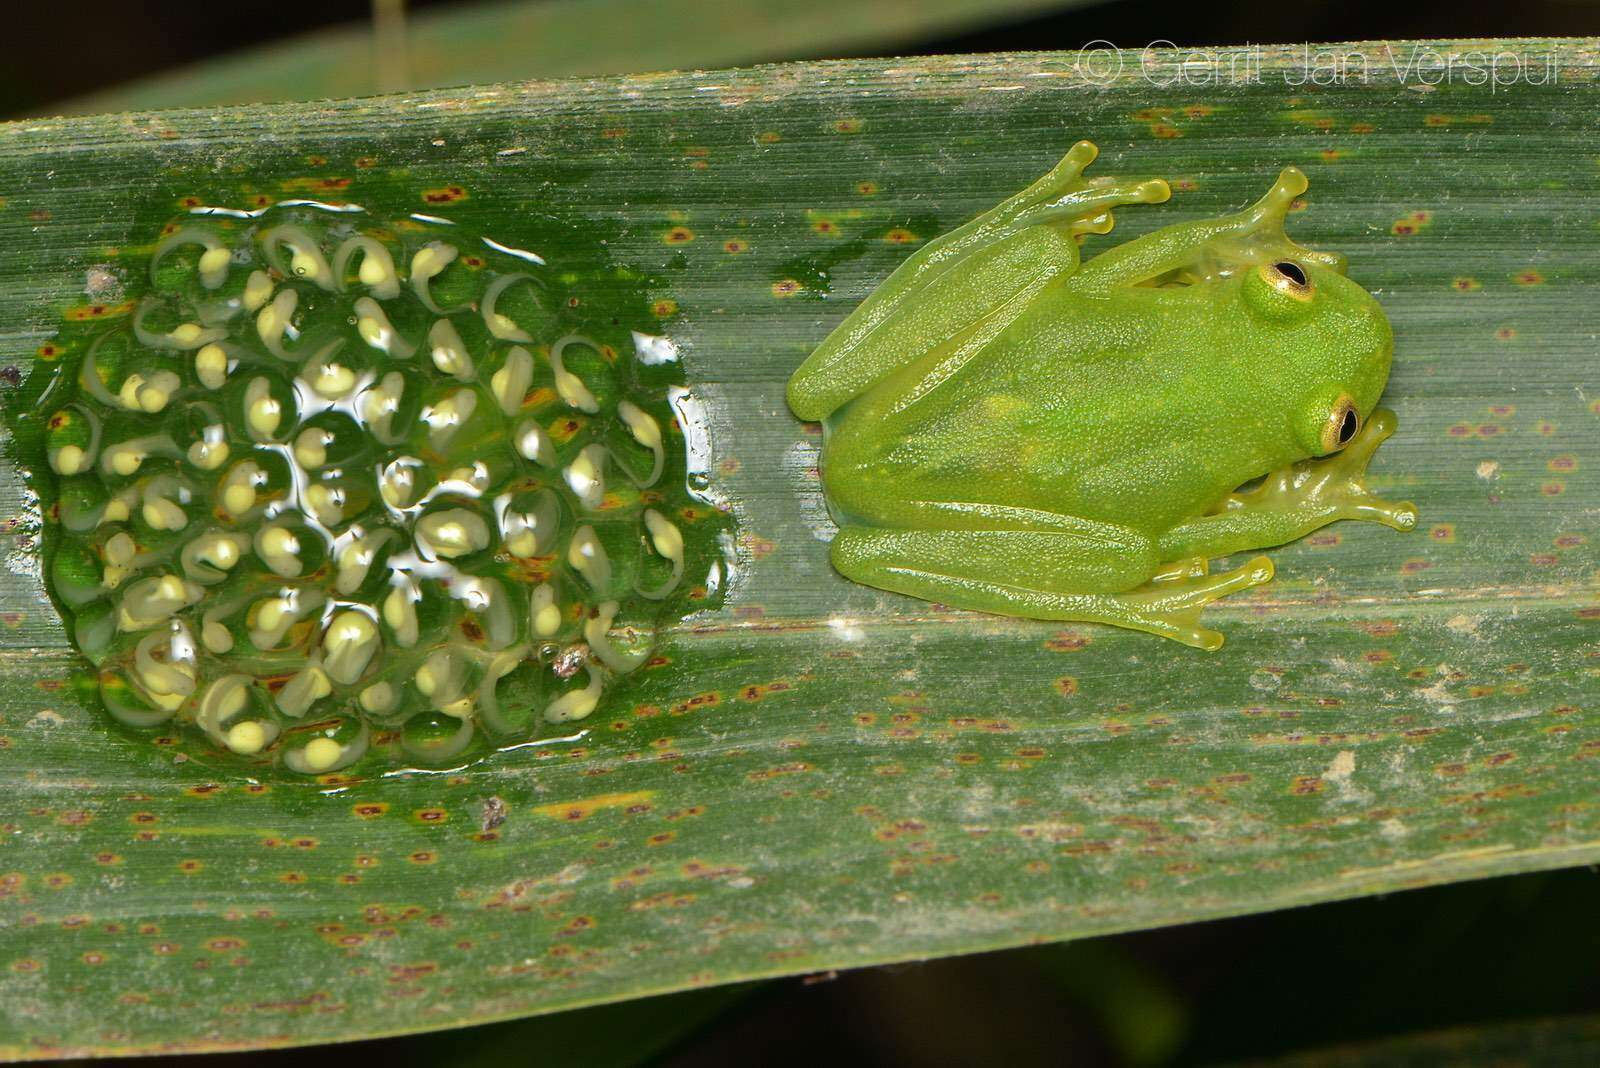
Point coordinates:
[[1289, 278], [1344, 422], [1278, 291]]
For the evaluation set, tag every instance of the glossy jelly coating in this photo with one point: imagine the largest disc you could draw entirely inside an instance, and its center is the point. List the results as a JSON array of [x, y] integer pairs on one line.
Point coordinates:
[[1012, 430], [329, 482]]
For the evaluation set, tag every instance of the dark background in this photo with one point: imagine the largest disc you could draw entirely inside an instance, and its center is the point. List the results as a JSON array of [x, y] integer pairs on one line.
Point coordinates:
[[1496, 953], [74, 47]]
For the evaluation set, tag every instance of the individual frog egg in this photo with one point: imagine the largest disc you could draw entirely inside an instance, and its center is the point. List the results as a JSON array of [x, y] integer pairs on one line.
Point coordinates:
[[477, 479], [511, 378], [296, 253], [440, 281], [401, 611], [534, 443], [551, 616], [449, 352], [361, 560], [578, 698], [190, 253], [328, 748], [276, 322], [455, 419], [148, 391], [513, 308], [224, 617], [380, 334], [432, 738], [80, 575], [635, 444], [662, 563], [586, 475], [349, 644], [271, 617], [72, 440], [335, 373], [445, 680], [264, 406], [604, 557], [165, 503], [451, 533], [334, 497], [405, 482], [512, 692], [531, 522], [209, 449], [332, 439], [259, 290], [238, 492], [493, 619], [213, 364], [151, 602], [386, 695], [128, 705], [164, 668], [157, 325], [210, 556], [363, 261], [289, 547], [235, 713], [585, 378], [389, 408], [123, 455]]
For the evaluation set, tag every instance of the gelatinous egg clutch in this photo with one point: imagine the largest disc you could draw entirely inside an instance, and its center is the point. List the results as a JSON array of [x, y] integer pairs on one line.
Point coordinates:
[[326, 483]]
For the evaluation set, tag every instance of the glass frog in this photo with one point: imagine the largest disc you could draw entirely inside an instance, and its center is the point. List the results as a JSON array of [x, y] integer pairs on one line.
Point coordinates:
[[1014, 430]]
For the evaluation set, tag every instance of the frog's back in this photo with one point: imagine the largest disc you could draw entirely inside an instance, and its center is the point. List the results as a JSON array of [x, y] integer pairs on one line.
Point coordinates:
[[1108, 408]]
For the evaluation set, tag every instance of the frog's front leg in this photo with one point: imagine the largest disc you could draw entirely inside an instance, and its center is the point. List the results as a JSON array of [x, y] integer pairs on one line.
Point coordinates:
[[1293, 502], [1206, 248], [1088, 575], [1001, 258]]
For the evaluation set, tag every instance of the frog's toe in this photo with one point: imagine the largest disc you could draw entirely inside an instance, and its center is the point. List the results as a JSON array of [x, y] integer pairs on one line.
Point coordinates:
[[1171, 604], [1401, 515], [1190, 568]]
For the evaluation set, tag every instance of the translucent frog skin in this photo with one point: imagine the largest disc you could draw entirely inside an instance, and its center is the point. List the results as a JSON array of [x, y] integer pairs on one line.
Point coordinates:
[[1011, 430]]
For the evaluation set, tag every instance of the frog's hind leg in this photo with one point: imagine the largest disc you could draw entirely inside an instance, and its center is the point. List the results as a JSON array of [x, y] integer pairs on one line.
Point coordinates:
[[1003, 257], [1044, 575]]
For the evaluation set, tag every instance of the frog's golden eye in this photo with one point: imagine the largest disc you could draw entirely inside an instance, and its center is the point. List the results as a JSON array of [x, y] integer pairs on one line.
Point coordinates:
[[1344, 422], [1288, 278]]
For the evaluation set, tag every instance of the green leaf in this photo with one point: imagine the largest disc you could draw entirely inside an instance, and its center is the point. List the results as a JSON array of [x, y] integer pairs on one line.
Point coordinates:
[[510, 39], [822, 776]]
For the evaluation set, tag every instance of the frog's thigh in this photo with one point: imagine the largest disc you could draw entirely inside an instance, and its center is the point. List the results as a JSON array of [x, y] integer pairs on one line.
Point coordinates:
[[1017, 572], [1041, 575]]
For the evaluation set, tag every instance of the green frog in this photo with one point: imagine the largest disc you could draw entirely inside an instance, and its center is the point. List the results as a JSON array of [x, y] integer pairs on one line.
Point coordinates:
[[1011, 429]]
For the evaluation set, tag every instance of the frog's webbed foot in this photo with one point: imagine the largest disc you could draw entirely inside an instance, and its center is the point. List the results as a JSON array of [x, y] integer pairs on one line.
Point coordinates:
[[1170, 604], [1332, 487]]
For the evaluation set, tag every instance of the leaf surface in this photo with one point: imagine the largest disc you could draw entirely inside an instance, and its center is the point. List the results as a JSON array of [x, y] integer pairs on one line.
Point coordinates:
[[822, 776]]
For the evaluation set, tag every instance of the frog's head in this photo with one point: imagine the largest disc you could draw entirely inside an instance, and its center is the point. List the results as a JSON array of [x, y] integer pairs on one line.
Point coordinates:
[[1329, 342]]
